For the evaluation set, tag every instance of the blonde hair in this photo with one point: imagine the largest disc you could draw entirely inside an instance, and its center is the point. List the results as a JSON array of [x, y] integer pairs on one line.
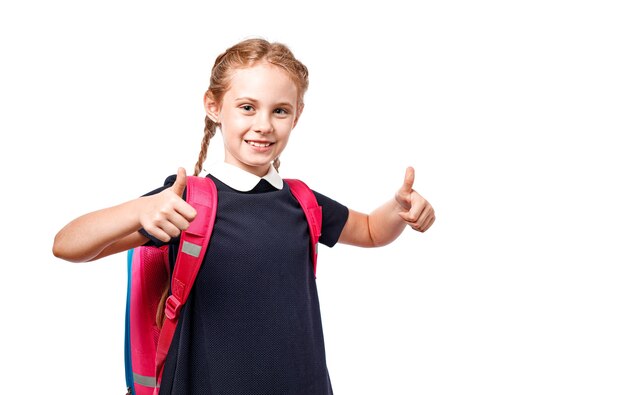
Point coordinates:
[[248, 53], [244, 54]]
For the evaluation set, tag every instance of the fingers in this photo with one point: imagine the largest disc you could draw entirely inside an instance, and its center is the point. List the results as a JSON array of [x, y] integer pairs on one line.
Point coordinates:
[[181, 182], [167, 214], [429, 221], [409, 178], [166, 227], [165, 233], [186, 211], [180, 213], [403, 195], [421, 215], [421, 225]]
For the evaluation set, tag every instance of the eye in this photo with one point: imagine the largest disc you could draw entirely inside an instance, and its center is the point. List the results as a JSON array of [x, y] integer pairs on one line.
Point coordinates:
[[247, 107], [281, 111]]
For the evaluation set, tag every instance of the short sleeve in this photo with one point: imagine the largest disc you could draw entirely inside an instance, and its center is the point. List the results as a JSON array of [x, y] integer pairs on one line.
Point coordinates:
[[169, 181], [334, 217]]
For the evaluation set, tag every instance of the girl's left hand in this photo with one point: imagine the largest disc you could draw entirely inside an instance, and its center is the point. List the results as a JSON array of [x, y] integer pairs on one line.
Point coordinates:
[[416, 211]]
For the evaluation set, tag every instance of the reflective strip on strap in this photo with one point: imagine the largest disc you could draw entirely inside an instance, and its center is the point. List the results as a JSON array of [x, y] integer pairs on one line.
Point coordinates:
[[144, 380], [191, 249]]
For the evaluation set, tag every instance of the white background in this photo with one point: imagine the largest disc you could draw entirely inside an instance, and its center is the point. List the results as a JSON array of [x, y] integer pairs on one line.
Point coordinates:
[[512, 113]]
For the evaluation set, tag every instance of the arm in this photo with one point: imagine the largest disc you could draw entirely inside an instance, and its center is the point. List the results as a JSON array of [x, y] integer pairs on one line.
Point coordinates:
[[387, 222], [115, 229]]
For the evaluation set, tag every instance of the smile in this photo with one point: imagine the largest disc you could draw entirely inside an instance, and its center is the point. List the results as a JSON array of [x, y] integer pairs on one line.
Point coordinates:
[[258, 143]]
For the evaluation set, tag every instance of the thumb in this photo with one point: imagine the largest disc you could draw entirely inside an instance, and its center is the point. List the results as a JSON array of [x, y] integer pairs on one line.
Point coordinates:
[[181, 182], [409, 178]]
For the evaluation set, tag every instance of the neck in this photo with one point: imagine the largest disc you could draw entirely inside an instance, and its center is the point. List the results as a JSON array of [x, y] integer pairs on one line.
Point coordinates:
[[258, 171]]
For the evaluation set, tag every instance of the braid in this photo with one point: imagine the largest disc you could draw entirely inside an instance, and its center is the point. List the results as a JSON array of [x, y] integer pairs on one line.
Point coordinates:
[[209, 131], [276, 163]]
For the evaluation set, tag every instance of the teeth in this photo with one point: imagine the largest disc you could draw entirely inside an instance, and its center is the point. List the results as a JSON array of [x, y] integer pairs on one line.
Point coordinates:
[[255, 144]]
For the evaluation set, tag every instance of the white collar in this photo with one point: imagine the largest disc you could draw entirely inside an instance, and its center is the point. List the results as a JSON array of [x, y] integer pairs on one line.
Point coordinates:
[[241, 180]]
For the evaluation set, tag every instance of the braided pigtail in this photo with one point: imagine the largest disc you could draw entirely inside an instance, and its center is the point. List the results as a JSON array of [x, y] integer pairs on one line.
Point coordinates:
[[209, 131], [244, 54], [160, 314]]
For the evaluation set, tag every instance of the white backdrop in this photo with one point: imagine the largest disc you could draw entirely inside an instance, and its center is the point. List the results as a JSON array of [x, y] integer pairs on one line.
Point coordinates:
[[511, 113]]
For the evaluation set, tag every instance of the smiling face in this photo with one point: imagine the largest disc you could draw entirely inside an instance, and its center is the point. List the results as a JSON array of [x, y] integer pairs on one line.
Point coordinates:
[[257, 114]]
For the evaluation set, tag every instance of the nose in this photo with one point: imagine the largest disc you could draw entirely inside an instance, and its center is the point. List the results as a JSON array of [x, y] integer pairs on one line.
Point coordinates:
[[263, 123]]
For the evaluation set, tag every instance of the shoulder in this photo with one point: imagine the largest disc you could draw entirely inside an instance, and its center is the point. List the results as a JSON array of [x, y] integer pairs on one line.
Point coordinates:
[[334, 217], [169, 181]]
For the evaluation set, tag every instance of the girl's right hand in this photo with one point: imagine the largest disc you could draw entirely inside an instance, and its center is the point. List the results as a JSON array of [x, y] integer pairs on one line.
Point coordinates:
[[166, 214]]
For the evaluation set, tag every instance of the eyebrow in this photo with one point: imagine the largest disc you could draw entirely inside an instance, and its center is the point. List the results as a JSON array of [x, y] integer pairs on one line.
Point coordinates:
[[246, 99], [280, 104]]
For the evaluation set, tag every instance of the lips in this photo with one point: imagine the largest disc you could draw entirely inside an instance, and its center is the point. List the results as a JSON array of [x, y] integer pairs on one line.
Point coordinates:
[[259, 144]]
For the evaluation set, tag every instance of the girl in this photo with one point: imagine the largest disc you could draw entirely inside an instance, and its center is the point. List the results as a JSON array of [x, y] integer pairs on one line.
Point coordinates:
[[252, 322]]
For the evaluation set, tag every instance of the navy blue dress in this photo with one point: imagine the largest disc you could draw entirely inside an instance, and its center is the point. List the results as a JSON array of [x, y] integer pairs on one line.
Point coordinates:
[[252, 323]]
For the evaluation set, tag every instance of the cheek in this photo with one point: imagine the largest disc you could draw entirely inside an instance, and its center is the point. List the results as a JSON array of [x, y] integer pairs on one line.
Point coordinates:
[[285, 126], [234, 127], [233, 117], [240, 123], [284, 137]]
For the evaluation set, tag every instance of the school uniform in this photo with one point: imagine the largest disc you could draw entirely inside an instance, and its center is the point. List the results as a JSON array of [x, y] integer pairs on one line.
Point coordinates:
[[252, 323]]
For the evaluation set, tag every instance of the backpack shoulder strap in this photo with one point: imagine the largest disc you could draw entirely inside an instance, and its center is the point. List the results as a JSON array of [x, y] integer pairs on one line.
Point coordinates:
[[312, 211], [202, 195]]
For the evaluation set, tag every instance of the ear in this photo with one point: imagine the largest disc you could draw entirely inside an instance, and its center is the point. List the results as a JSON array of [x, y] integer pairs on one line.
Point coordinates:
[[211, 107], [298, 113]]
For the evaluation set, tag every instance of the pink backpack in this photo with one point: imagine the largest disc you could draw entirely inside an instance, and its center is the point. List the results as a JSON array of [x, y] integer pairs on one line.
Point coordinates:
[[146, 345]]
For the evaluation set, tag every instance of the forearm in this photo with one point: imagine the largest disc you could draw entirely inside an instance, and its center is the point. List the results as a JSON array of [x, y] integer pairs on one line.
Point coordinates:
[[380, 227], [86, 237], [385, 224], [100, 233]]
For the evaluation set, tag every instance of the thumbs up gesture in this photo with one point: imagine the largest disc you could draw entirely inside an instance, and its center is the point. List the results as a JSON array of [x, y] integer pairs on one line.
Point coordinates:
[[416, 211], [166, 214]]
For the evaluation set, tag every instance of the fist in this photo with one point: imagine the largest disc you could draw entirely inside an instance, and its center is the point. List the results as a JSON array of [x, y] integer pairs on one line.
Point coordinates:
[[166, 214], [415, 210]]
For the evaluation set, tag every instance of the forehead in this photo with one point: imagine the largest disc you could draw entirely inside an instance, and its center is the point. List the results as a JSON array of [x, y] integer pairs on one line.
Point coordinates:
[[262, 81]]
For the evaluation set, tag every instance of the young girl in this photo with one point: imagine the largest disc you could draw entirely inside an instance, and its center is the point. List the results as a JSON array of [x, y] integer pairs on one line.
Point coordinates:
[[252, 322]]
